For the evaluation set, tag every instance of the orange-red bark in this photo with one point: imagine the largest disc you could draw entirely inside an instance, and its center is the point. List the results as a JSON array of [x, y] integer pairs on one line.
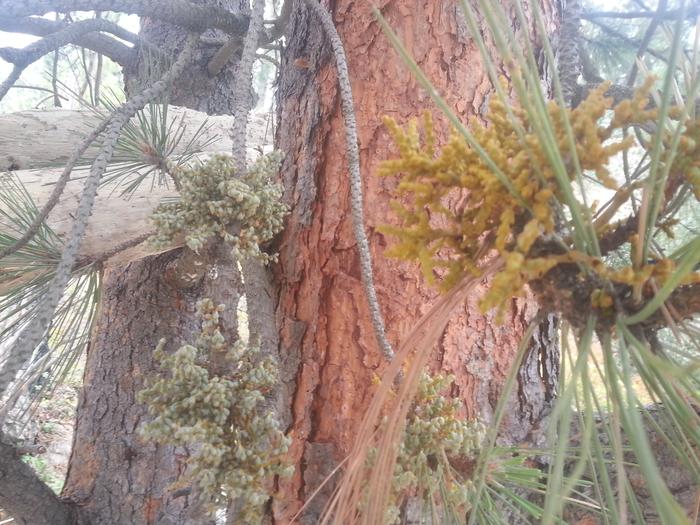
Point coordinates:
[[327, 345]]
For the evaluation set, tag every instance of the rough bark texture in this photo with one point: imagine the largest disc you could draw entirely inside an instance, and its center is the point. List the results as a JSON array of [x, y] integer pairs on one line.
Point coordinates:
[[114, 475], [328, 350], [196, 89], [327, 346]]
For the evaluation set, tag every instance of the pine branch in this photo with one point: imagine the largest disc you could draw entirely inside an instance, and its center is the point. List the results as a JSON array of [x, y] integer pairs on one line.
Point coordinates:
[[60, 38], [21, 58], [222, 56], [242, 99], [629, 41], [178, 12], [101, 259], [103, 44], [25, 496]]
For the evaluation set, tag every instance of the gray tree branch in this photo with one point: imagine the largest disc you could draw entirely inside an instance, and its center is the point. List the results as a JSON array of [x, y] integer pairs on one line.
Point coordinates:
[[25, 496], [66, 35], [629, 41], [21, 58], [179, 12], [10, 80], [672, 14], [103, 44]]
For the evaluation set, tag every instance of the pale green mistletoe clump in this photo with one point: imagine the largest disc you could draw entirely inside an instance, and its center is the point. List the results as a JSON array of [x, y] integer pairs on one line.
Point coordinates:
[[238, 446], [245, 210], [437, 453]]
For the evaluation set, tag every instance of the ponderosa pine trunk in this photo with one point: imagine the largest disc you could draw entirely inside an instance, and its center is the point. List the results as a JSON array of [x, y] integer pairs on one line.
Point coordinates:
[[327, 350], [115, 476]]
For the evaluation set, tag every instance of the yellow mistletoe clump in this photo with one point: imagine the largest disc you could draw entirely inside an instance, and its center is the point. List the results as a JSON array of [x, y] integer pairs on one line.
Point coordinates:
[[511, 216], [688, 159]]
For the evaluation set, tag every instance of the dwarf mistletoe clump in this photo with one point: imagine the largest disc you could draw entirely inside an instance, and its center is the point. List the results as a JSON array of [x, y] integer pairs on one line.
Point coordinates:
[[435, 440], [516, 207], [244, 210], [238, 447]]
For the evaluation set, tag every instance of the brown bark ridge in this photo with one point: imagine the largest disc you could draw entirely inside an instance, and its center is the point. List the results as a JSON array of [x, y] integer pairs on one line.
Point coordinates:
[[114, 475], [327, 347]]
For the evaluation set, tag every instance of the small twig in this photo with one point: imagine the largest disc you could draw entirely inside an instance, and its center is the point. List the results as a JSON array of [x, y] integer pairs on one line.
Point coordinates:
[[100, 259], [279, 25], [641, 4], [619, 235], [98, 79], [38, 104], [37, 88], [685, 303], [589, 71], [630, 41], [87, 71], [98, 72], [10, 80], [606, 214], [54, 74], [272, 47], [646, 39], [223, 55], [269, 59]]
